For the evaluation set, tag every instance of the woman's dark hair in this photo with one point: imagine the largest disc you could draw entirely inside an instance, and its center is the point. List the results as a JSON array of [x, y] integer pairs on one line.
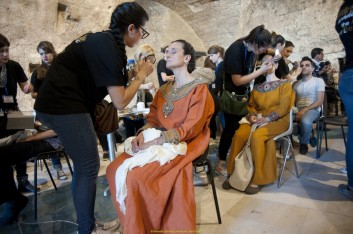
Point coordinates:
[[277, 39], [208, 63], [4, 41], [125, 14], [188, 50], [289, 44], [216, 49], [43, 68], [259, 36]]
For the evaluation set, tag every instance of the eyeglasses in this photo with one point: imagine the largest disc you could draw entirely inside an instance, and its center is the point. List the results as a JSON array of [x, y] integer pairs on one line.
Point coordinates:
[[144, 33], [306, 65]]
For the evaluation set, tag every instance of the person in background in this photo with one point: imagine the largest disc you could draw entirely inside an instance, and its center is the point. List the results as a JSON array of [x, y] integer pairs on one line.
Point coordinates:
[[12, 74], [14, 154], [283, 71], [317, 55], [164, 74], [47, 54], [344, 24], [89, 68], [161, 198], [239, 64], [134, 123], [216, 54], [309, 99]]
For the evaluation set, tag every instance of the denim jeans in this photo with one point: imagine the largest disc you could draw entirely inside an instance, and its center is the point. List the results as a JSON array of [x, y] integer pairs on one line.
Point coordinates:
[[306, 125], [76, 133], [345, 89]]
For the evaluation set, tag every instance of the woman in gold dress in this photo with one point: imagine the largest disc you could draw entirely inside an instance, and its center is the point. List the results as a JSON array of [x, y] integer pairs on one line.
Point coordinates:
[[272, 99]]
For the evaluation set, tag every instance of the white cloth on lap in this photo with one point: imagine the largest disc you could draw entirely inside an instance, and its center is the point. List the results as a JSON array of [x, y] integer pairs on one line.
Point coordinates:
[[156, 153]]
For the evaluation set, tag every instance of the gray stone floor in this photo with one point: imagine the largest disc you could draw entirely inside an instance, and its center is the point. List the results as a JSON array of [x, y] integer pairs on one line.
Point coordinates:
[[310, 204]]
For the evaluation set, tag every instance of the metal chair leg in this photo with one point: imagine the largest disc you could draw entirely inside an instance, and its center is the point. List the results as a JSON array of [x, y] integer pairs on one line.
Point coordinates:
[[50, 175], [35, 188], [344, 136], [69, 164], [211, 179]]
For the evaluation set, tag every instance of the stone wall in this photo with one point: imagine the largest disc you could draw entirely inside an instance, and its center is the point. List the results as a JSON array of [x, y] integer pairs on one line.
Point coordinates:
[[307, 24]]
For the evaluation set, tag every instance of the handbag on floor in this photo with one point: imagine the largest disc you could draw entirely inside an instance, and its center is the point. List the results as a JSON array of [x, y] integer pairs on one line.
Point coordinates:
[[243, 166]]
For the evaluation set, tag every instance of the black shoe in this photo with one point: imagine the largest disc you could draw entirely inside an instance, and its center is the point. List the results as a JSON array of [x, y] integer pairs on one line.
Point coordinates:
[[303, 149], [12, 210], [313, 141], [24, 186], [105, 156]]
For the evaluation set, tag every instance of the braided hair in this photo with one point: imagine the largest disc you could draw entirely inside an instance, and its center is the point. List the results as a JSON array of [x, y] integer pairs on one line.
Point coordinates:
[[125, 14], [188, 50]]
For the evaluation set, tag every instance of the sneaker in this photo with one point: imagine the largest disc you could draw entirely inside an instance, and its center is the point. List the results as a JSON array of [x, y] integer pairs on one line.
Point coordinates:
[[343, 170], [112, 226], [221, 168], [313, 141], [346, 190], [105, 156], [60, 174], [303, 149]]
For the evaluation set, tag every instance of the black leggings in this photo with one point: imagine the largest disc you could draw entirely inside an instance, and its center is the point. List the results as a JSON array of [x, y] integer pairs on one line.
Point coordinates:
[[231, 125]]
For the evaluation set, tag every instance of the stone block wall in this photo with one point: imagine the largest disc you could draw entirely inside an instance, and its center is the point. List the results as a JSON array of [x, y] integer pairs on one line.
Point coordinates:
[[307, 24]]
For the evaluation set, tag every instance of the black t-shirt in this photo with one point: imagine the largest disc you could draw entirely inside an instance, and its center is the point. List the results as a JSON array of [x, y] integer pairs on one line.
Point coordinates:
[[36, 83], [78, 76], [161, 67], [237, 60], [216, 85], [282, 69], [344, 27], [15, 75]]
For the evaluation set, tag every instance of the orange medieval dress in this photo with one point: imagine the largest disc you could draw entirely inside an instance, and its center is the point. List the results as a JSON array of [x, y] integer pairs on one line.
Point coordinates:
[[161, 198], [270, 99]]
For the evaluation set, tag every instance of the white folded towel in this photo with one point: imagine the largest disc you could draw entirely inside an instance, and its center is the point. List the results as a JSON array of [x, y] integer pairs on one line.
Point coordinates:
[[160, 153]]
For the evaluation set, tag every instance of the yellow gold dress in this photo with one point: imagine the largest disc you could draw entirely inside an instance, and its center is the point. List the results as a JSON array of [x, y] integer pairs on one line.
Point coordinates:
[[272, 99]]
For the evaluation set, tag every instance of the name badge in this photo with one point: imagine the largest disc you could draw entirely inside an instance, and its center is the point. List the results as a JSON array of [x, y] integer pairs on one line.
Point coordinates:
[[7, 99], [213, 86]]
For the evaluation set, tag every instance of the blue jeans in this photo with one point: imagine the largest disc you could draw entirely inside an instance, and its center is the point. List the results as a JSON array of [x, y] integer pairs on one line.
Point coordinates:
[[306, 125], [79, 139], [345, 89]]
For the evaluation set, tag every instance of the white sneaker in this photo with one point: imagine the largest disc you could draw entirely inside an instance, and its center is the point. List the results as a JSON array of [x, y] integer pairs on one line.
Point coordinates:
[[60, 174], [343, 170], [221, 168], [112, 226]]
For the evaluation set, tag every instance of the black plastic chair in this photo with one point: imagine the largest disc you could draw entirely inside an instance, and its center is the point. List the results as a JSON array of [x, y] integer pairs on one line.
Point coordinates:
[[336, 121], [203, 161], [44, 156]]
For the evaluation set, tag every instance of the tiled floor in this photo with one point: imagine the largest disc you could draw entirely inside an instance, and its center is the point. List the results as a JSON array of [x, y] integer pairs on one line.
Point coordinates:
[[310, 204]]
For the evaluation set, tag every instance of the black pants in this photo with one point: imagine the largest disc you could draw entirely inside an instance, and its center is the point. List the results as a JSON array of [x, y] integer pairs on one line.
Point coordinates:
[[12, 155], [132, 125], [231, 125]]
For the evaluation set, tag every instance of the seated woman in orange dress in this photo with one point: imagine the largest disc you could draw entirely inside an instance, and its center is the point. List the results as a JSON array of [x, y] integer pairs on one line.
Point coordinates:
[[161, 198], [272, 99]]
